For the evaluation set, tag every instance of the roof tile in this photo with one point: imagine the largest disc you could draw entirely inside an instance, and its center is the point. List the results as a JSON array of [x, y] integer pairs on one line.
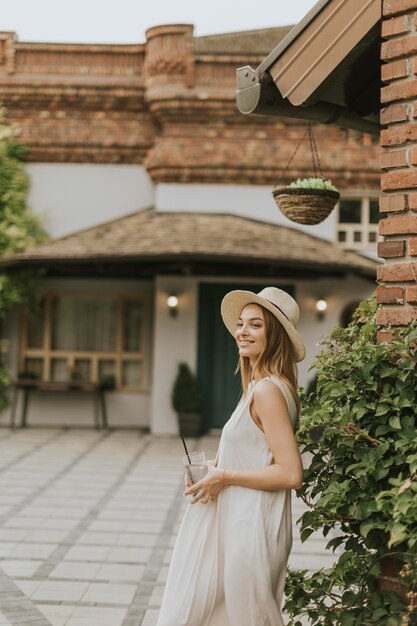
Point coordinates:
[[152, 234]]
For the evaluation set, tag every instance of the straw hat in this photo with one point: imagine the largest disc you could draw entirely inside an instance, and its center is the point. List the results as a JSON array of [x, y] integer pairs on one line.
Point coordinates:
[[277, 301]]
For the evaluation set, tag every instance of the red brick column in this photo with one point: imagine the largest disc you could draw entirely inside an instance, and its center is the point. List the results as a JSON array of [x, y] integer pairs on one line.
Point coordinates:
[[398, 203]]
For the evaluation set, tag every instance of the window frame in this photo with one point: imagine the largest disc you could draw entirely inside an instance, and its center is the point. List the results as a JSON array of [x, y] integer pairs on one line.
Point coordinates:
[[365, 227], [119, 356]]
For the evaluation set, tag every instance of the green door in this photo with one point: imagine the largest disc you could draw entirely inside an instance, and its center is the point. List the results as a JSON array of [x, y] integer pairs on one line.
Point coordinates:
[[217, 355]]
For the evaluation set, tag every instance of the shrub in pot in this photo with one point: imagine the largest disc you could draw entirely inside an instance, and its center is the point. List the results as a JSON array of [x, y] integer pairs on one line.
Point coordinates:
[[361, 484], [186, 400]]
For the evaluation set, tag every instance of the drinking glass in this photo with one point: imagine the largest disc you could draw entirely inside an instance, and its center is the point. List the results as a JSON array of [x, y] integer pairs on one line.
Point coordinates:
[[195, 464]]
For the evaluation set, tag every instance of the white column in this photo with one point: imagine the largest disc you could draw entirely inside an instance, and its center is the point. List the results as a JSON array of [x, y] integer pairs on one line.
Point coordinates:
[[175, 341]]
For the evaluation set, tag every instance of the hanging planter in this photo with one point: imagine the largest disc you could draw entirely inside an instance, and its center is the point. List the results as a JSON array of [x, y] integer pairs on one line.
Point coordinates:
[[307, 200]]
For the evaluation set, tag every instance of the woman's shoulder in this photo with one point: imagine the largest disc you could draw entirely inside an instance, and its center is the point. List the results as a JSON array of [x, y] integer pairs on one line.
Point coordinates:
[[275, 379], [274, 385], [268, 385]]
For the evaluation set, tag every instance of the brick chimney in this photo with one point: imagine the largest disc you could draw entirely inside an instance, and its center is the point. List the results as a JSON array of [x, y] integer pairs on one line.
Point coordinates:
[[398, 204]]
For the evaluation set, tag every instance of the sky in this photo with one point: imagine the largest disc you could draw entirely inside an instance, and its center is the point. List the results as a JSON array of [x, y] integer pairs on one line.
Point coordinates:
[[125, 21]]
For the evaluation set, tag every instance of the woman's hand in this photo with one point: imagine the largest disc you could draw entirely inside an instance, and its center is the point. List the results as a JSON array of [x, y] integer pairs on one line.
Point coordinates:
[[186, 481], [210, 463], [208, 488]]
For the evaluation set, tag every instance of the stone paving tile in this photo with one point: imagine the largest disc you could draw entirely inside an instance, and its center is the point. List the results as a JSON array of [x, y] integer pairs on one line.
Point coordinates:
[[120, 572], [75, 570], [4, 509], [109, 593], [33, 550], [57, 614], [20, 568], [96, 616], [47, 535], [60, 591], [87, 553], [129, 555], [13, 534], [151, 615], [88, 520]]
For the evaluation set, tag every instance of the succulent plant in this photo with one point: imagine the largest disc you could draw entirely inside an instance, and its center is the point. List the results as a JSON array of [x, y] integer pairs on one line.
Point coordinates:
[[312, 183]]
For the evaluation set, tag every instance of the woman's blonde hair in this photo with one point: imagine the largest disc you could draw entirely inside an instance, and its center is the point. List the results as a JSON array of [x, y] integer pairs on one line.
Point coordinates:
[[276, 359]]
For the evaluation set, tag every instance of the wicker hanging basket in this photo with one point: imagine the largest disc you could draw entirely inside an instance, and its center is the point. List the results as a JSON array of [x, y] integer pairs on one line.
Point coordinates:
[[305, 206]]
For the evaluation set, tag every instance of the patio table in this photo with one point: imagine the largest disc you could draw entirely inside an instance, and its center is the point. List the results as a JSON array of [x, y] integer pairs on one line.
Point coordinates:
[[26, 386]]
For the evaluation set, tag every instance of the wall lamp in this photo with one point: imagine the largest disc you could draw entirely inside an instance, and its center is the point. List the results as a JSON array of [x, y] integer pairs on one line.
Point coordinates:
[[172, 302], [321, 308]]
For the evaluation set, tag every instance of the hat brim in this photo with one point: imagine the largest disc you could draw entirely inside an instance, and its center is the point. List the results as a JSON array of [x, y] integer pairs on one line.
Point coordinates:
[[235, 301]]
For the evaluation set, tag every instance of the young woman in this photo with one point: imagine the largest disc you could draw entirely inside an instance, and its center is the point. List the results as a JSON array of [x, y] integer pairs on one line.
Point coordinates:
[[229, 561]]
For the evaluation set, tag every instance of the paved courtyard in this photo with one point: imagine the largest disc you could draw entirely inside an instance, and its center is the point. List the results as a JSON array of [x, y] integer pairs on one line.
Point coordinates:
[[87, 524]]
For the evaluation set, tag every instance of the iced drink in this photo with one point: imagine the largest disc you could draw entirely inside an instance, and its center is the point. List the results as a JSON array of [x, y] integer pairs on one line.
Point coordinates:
[[196, 467]]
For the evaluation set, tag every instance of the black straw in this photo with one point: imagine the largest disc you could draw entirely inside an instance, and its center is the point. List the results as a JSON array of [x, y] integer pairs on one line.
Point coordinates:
[[185, 448]]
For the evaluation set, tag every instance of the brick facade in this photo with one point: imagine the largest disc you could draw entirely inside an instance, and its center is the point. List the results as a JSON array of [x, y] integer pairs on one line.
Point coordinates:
[[398, 203], [168, 104]]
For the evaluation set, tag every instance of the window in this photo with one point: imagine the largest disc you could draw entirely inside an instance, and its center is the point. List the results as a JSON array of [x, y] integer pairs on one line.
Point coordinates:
[[358, 223], [86, 339], [347, 313]]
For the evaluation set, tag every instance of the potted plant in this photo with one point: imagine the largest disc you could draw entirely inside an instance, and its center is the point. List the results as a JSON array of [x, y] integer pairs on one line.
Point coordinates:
[[307, 200], [186, 400], [361, 484]]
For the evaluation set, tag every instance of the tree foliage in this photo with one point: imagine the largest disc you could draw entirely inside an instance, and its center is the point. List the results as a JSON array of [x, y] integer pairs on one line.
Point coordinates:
[[361, 485], [19, 229]]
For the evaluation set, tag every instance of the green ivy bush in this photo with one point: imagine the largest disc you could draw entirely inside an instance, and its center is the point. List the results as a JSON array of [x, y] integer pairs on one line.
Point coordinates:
[[361, 485], [19, 229], [313, 183]]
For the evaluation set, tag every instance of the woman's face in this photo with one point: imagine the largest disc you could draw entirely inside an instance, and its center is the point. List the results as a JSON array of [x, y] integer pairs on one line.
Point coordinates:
[[250, 332]]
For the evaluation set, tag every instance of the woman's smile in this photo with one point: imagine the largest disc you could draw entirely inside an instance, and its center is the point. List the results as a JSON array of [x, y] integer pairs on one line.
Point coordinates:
[[250, 331]]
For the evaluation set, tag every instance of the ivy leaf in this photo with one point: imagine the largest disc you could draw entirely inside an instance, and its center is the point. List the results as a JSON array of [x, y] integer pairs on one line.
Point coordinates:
[[305, 534], [395, 422]]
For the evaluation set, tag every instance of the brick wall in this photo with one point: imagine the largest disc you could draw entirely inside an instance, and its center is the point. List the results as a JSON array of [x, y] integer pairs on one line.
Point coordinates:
[[398, 204], [170, 104]]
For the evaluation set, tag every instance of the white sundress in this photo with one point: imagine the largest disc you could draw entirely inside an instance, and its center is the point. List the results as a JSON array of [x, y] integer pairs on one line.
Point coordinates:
[[229, 561]]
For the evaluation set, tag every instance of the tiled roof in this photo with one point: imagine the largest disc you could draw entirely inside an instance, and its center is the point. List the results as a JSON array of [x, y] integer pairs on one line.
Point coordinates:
[[152, 235], [260, 41]]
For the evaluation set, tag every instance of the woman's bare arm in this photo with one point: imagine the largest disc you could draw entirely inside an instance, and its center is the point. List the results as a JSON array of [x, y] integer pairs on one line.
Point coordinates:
[[286, 472], [270, 408]]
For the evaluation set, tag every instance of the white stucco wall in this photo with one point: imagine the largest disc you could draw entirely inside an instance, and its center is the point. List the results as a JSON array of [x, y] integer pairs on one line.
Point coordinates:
[[254, 202], [124, 409], [339, 293], [171, 340], [176, 338], [71, 197], [175, 341]]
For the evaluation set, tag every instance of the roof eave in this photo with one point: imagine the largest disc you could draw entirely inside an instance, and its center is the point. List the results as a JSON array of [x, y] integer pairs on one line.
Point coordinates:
[[342, 269], [291, 82], [260, 96], [292, 35]]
